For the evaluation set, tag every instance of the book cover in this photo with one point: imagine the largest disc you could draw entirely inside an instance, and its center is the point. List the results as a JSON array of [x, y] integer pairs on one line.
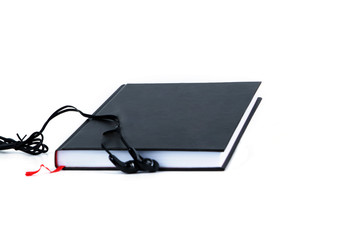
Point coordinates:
[[184, 126]]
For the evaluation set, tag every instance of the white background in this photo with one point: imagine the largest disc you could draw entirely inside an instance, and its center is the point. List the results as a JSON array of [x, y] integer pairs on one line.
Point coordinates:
[[296, 171]]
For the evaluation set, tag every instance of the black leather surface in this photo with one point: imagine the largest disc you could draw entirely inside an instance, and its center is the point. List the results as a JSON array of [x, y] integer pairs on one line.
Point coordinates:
[[185, 116]]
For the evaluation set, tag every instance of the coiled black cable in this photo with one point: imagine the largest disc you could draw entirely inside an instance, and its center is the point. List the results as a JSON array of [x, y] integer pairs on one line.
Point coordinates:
[[34, 144]]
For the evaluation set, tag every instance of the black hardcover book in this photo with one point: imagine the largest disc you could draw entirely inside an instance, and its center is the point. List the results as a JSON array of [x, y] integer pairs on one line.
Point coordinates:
[[184, 126]]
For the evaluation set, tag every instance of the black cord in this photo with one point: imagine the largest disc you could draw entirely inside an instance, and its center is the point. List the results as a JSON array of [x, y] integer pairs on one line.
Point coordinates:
[[34, 144]]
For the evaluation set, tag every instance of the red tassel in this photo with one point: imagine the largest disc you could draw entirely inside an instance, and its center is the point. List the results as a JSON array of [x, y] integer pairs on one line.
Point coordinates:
[[42, 165]]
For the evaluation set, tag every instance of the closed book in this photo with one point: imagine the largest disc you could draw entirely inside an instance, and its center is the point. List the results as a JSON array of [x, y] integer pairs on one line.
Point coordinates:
[[184, 126]]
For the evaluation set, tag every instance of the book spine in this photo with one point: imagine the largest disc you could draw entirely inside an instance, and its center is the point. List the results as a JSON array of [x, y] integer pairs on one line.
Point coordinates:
[[253, 110]]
